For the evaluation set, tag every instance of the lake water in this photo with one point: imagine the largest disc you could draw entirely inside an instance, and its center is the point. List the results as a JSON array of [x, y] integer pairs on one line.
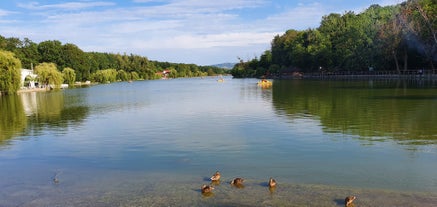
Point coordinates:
[[154, 143]]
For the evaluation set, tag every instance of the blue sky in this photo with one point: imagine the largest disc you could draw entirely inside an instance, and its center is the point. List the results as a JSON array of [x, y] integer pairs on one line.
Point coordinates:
[[203, 32]]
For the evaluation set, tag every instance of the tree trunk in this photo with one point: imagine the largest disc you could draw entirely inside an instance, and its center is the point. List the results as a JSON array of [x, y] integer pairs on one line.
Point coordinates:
[[396, 61], [432, 66], [405, 59]]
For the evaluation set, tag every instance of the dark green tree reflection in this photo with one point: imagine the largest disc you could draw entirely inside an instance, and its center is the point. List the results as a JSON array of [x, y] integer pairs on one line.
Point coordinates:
[[31, 113], [373, 110], [13, 121], [52, 110]]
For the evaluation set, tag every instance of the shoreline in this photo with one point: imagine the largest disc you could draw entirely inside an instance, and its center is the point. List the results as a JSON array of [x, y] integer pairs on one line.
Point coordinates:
[[164, 189], [26, 90]]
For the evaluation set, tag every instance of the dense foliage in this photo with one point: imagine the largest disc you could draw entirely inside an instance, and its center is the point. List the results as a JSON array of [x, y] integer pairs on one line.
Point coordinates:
[[69, 76], [48, 75], [398, 37], [10, 74], [86, 65]]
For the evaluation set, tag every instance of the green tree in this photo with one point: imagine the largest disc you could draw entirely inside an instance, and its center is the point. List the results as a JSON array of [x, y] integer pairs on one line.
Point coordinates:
[[51, 52], [10, 73], [69, 76], [105, 76], [49, 75], [74, 57], [134, 75], [390, 38], [419, 18], [28, 53], [122, 75]]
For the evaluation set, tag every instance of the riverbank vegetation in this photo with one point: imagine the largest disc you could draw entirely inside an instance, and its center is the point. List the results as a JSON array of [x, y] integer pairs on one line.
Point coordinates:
[[10, 75], [399, 37], [78, 65]]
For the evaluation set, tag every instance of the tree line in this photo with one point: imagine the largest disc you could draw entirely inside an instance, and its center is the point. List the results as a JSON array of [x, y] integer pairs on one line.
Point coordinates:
[[73, 64], [397, 37]]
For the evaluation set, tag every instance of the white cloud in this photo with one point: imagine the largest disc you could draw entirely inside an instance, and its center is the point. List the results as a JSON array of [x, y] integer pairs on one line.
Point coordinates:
[[5, 12], [390, 2], [192, 41], [299, 18], [65, 6], [149, 1], [364, 6]]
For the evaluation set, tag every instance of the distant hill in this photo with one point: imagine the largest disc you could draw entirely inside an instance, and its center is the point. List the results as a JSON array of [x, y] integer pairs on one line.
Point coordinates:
[[225, 65]]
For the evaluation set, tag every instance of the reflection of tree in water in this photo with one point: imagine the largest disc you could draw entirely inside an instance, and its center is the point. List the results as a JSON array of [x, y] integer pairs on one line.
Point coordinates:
[[30, 113], [406, 114], [12, 118], [53, 112]]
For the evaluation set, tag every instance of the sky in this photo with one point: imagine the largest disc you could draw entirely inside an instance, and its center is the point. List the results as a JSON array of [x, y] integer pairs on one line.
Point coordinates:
[[203, 32]]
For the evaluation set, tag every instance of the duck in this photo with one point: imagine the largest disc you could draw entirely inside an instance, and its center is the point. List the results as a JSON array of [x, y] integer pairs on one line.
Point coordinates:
[[237, 181], [349, 200], [216, 176], [272, 183], [206, 189], [55, 180]]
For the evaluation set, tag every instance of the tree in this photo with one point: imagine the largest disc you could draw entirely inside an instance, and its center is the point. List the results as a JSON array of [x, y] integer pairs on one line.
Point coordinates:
[[122, 75], [105, 76], [419, 21], [390, 38], [69, 76], [28, 53], [51, 52], [10, 73], [49, 75], [134, 75], [74, 57]]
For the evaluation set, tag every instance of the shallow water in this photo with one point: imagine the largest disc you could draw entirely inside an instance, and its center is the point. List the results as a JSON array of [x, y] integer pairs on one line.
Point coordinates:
[[154, 143]]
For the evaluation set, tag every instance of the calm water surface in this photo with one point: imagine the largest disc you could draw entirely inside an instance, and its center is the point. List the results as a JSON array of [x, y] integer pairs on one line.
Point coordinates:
[[154, 143]]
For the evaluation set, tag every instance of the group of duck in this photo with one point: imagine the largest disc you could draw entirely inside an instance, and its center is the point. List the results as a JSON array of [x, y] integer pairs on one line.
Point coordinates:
[[238, 183]]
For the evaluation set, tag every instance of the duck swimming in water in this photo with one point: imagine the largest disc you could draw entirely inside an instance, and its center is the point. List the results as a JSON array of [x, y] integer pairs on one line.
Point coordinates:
[[206, 189], [237, 182], [216, 176], [348, 201], [272, 183]]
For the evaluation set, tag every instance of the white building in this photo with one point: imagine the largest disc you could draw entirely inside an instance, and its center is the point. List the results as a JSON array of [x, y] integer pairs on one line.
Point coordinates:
[[31, 77]]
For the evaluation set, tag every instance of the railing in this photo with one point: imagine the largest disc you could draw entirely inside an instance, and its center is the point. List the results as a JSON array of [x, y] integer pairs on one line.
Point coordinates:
[[414, 74]]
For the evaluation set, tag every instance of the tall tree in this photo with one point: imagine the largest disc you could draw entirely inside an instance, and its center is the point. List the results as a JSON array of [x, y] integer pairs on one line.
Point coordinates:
[[10, 73], [122, 75], [49, 75], [75, 58], [419, 18], [69, 76], [390, 36], [28, 53], [51, 52]]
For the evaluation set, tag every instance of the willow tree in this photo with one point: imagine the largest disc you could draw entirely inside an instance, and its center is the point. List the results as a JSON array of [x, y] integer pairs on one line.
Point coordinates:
[[49, 75], [122, 75], [10, 72], [69, 76], [105, 76]]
